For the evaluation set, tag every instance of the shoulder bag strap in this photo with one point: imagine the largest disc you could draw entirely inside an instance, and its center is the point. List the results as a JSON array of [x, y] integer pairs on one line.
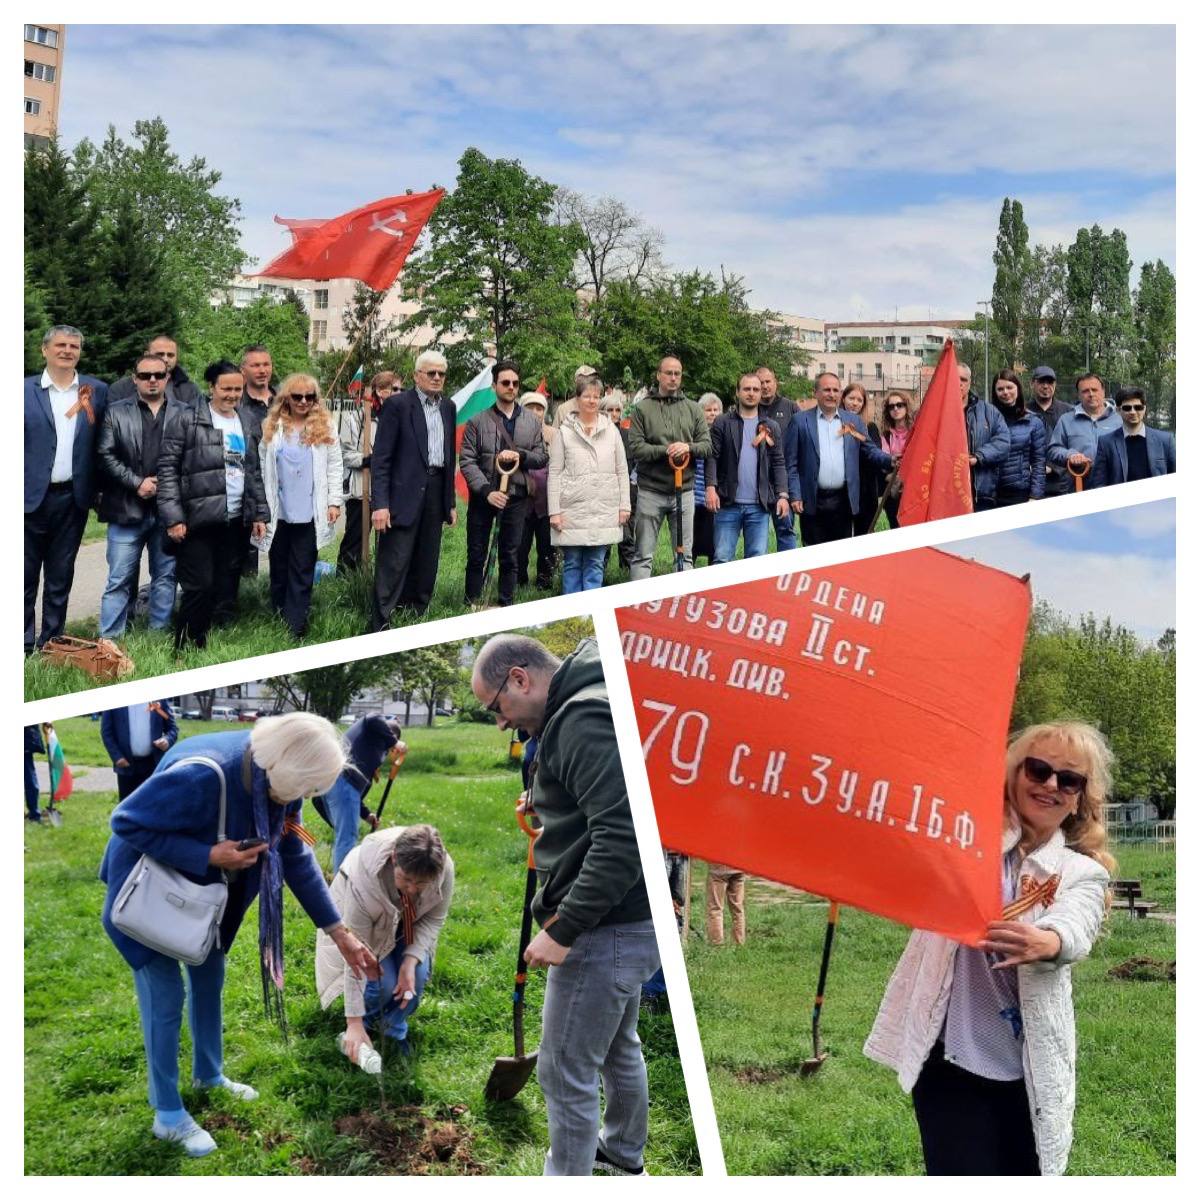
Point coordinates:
[[208, 762]]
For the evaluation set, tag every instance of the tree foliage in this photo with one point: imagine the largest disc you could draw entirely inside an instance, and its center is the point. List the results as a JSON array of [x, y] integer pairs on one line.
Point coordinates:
[[1013, 263], [328, 691], [1100, 314], [1154, 323], [223, 331], [617, 244], [430, 673]]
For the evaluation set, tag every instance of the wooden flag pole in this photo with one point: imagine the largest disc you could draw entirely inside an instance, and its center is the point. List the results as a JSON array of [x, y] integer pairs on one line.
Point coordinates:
[[366, 483]]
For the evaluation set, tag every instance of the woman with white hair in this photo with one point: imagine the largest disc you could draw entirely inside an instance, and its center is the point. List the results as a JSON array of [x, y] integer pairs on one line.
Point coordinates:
[[223, 806], [301, 461], [984, 1036]]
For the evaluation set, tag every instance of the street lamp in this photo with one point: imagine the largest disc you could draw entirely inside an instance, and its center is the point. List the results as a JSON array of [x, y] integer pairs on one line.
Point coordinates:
[[987, 304]]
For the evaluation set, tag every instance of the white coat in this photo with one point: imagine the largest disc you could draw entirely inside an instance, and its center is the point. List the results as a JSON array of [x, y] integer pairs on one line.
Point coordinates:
[[918, 994], [327, 488], [588, 483]]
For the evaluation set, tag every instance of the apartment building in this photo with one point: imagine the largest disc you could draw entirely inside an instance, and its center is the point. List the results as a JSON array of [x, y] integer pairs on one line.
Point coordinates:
[[44, 47], [920, 338]]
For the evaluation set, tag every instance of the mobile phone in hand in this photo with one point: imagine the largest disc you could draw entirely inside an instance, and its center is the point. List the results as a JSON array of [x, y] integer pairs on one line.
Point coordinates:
[[250, 842]]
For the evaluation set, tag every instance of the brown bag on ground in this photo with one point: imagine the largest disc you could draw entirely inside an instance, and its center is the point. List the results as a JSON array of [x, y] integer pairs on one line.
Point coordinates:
[[103, 659]]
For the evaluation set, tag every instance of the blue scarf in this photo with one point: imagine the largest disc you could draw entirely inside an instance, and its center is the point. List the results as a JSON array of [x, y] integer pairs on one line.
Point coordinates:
[[269, 820]]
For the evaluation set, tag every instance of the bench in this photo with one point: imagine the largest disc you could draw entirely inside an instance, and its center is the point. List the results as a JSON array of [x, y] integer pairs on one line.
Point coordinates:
[[1129, 893]]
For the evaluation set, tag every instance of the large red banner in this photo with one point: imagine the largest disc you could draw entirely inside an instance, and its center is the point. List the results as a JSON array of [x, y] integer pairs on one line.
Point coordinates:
[[841, 730]]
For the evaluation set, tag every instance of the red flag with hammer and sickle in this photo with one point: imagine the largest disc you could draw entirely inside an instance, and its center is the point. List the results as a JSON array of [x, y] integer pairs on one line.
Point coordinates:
[[369, 244]]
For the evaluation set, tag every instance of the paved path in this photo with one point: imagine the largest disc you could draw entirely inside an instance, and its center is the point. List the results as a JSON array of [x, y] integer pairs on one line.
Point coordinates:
[[87, 779]]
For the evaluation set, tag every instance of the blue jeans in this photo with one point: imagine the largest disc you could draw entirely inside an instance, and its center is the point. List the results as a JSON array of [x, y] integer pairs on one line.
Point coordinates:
[[160, 1003], [32, 791], [583, 568], [343, 801], [124, 554], [731, 521], [395, 1015], [785, 531], [589, 1033]]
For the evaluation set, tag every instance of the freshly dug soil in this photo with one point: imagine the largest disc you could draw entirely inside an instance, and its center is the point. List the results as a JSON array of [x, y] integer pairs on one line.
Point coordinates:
[[757, 1075], [1151, 970], [408, 1143]]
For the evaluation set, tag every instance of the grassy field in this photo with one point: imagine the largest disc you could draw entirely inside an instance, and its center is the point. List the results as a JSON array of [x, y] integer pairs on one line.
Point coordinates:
[[85, 1075], [340, 607], [754, 1008]]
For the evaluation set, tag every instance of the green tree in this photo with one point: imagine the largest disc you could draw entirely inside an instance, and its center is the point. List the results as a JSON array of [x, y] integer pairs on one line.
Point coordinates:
[[430, 673], [62, 235], [855, 345], [196, 227], [37, 321], [1044, 316], [1013, 264], [328, 691], [1100, 313], [131, 301], [223, 331], [1154, 322], [496, 274]]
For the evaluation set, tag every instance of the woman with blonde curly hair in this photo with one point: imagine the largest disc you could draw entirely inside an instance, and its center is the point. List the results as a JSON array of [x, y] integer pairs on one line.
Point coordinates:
[[984, 1037], [301, 461]]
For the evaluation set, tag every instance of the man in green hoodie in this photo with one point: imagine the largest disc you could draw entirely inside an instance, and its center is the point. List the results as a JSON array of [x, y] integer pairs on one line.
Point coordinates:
[[662, 428], [596, 935]]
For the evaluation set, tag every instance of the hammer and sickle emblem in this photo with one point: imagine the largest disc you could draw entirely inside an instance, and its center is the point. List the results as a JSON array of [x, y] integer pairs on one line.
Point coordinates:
[[384, 224]]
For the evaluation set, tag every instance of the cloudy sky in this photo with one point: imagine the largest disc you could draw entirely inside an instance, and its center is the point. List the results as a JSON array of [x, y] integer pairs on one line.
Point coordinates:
[[847, 172], [1118, 564]]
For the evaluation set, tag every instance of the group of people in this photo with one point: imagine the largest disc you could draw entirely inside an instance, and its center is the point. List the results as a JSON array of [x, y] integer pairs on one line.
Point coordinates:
[[229, 806], [203, 481]]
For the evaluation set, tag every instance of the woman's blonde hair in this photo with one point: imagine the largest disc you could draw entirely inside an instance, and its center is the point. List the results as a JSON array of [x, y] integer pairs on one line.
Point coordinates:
[[1085, 829], [302, 754], [318, 424]]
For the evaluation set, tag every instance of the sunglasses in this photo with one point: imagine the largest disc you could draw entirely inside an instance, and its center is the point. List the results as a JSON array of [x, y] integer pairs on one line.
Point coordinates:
[[1133, 408], [144, 375], [507, 382], [303, 397], [435, 374], [1070, 783], [900, 405]]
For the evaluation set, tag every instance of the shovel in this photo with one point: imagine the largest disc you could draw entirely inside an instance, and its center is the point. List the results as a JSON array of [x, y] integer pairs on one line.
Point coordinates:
[[494, 537], [396, 761], [510, 1075], [810, 1066], [1079, 474], [679, 465]]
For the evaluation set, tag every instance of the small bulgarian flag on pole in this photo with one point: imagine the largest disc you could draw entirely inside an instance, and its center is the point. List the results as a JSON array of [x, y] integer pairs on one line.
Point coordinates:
[[356, 383], [62, 783], [476, 397]]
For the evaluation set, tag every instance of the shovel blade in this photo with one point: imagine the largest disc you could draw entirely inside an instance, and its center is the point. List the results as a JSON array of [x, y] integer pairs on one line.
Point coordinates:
[[55, 817], [810, 1066], [509, 1076]]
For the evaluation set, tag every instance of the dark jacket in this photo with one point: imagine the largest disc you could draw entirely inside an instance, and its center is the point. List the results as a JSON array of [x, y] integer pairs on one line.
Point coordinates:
[[41, 441], [400, 458], [655, 423], [1112, 462], [781, 410], [33, 740], [988, 440], [114, 732], [721, 469], [255, 410], [1024, 470], [191, 472], [367, 742], [119, 459], [484, 438], [587, 859], [173, 818], [1058, 482], [802, 453], [179, 388]]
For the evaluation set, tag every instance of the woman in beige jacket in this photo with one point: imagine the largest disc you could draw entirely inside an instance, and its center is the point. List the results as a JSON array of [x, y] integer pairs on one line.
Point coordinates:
[[393, 891], [588, 489], [984, 1038]]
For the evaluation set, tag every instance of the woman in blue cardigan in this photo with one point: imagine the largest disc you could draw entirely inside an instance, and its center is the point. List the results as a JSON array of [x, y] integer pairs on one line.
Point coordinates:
[[173, 817]]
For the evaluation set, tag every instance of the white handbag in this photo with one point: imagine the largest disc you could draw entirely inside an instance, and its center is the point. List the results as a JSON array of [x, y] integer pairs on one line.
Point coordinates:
[[164, 910]]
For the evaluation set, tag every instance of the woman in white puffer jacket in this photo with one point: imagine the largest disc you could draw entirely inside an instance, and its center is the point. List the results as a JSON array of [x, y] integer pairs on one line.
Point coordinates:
[[985, 1038], [587, 489], [301, 461]]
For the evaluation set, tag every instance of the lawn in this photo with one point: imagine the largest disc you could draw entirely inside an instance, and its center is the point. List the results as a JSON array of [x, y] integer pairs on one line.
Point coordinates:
[[340, 607], [754, 1009], [85, 1076]]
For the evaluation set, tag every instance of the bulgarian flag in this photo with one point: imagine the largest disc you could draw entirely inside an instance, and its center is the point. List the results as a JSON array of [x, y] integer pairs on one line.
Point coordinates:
[[62, 782], [476, 397], [357, 382]]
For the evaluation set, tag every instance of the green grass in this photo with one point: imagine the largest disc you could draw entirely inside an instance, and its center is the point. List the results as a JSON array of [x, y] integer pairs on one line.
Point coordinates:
[[85, 1091], [340, 608], [754, 1009]]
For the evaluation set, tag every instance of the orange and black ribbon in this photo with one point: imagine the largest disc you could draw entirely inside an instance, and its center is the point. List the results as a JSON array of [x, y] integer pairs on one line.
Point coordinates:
[[763, 435], [291, 825], [1032, 894], [851, 431], [409, 914], [84, 402]]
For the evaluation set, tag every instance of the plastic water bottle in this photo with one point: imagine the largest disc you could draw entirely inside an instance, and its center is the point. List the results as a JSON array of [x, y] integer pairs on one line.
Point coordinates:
[[368, 1057]]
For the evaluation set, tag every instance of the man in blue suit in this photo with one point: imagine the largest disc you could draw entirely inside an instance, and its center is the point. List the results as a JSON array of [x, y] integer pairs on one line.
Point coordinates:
[[826, 448], [63, 411], [412, 491], [136, 737], [1134, 451]]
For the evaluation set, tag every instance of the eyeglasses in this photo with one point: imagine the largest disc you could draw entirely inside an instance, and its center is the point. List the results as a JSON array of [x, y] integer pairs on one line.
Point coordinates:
[[902, 404], [433, 374], [144, 375], [494, 707], [507, 383], [1070, 783], [303, 397], [1133, 408]]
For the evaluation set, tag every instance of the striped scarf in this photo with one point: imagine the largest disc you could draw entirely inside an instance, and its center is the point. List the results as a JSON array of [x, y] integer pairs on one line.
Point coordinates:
[[270, 823]]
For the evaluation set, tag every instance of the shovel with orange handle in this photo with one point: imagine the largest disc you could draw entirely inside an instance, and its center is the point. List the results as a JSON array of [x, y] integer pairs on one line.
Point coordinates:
[[679, 465]]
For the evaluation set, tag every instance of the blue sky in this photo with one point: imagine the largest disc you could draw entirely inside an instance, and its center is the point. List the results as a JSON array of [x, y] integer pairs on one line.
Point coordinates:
[[846, 171], [1118, 564]]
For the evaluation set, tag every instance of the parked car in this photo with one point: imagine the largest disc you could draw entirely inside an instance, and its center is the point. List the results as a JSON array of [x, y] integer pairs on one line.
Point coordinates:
[[192, 714], [248, 715], [223, 712]]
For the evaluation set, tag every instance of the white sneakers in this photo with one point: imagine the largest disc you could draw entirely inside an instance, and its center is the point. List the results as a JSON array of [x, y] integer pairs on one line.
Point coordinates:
[[243, 1091], [196, 1142]]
